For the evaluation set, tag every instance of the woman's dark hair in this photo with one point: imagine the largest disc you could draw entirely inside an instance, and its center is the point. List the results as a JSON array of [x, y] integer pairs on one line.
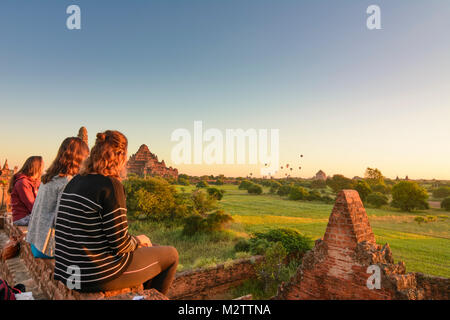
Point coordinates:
[[107, 155], [68, 160], [31, 167]]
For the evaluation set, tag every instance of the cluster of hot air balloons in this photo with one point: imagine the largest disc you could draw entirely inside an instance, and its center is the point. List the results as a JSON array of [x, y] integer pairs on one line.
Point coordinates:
[[287, 166]]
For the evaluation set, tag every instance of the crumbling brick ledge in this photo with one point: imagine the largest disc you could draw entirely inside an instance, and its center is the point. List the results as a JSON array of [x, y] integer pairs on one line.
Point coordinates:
[[198, 284], [337, 266], [205, 283]]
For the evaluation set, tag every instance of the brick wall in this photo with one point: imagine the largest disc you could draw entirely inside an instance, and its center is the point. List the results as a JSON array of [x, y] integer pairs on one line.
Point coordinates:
[[336, 268], [206, 283]]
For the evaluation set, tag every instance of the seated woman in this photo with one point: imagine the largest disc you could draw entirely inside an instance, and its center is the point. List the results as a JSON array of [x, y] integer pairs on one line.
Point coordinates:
[[93, 249], [71, 153], [23, 188]]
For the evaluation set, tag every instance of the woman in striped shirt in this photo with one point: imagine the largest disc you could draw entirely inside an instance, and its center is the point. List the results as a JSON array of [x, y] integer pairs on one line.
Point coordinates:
[[93, 249]]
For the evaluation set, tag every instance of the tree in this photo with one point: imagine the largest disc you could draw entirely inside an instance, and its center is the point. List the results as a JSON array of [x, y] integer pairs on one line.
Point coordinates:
[[203, 202], [284, 190], [338, 182], [377, 199], [153, 198], [216, 193], [245, 184], [445, 204], [202, 184], [381, 187], [255, 189], [408, 195], [183, 181], [363, 189], [441, 192], [298, 193], [374, 176]]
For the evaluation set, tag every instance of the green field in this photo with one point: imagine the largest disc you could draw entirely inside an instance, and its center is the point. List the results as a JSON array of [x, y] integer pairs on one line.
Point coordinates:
[[424, 248]]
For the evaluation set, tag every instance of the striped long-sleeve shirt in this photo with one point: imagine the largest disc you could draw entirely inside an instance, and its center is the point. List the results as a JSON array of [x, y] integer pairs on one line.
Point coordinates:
[[91, 233]]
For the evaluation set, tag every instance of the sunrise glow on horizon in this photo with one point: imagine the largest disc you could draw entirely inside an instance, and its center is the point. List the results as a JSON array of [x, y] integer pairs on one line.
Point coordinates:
[[345, 97]]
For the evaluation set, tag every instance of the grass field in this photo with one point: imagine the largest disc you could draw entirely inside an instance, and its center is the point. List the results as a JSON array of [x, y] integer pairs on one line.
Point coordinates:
[[424, 247]]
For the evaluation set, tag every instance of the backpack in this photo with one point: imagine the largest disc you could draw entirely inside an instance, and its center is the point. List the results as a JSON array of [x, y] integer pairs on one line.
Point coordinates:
[[7, 292]]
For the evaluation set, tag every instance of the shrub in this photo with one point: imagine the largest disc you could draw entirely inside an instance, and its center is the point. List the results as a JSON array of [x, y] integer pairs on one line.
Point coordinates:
[[153, 198], [216, 193], [363, 189], [274, 186], [273, 189], [215, 221], [203, 202], [377, 199], [269, 271], [284, 190], [328, 199], [202, 184], [298, 193], [205, 263], [259, 246], [245, 184], [441, 192], [408, 195], [445, 204], [255, 189], [318, 184], [314, 195], [431, 218], [242, 255], [183, 181], [243, 245], [419, 220], [293, 241]]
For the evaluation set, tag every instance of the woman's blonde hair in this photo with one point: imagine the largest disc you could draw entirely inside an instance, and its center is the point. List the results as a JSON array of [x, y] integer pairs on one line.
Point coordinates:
[[108, 155]]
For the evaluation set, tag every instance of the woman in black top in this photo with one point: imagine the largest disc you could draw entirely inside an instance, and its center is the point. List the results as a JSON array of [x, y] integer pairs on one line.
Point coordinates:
[[93, 249]]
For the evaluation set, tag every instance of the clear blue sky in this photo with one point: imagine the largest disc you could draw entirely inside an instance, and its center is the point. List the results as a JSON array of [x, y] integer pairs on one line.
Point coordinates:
[[342, 95]]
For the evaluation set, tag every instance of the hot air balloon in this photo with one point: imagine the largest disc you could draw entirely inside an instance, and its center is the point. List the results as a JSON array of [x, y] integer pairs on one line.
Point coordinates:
[[301, 156], [287, 165], [281, 167], [299, 168], [291, 169]]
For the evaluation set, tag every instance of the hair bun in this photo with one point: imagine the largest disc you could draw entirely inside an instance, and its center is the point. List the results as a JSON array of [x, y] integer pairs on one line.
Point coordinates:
[[101, 137]]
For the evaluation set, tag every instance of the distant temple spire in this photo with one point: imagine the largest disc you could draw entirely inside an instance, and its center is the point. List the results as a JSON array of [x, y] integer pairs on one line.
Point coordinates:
[[5, 166], [83, 135]]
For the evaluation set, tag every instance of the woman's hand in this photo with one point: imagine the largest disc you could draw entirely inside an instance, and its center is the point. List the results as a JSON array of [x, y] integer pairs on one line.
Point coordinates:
[[144, 241]]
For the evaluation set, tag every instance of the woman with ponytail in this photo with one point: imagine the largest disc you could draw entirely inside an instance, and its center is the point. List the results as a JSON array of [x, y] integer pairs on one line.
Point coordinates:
[[72, 152], [92, 229]]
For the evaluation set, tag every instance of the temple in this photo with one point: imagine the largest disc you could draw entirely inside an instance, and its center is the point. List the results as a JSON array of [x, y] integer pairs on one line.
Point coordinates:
[[144, 163]]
